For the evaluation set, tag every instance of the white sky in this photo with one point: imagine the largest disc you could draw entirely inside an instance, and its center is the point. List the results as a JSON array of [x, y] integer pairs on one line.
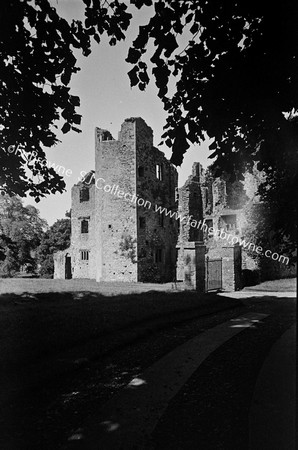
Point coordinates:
[[106, 101]]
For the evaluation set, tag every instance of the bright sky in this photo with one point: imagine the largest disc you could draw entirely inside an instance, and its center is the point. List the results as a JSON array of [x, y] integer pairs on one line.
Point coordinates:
[[106, 101]]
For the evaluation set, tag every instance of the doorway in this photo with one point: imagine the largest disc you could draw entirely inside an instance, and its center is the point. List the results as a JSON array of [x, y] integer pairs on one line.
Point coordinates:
[[68, 274]]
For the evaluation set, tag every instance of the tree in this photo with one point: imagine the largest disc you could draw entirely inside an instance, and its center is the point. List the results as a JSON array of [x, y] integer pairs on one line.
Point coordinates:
[[237, 76], [237, 81], [228, 69], [55, 239], [21, 229], [36, 66]]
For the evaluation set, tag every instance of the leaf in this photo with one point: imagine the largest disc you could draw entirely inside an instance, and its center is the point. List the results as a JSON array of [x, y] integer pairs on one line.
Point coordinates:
[[65, 77], [76, 118], [144, 77], [133, 55], [213, 145], [169, 44], [96, 38], [133, 76], [140, 3], [194, 29], [75, 100], [65, 128]]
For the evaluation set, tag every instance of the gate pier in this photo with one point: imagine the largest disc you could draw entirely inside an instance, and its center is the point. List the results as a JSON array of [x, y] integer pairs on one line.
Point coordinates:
[[218, 269]]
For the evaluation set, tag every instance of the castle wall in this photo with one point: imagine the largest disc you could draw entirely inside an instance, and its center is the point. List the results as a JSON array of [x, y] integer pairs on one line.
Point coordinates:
[[81, 252], [83, 264], [59, 264], [116, 217], [126, 239], [157, 180], [133, 243], [190, 207]]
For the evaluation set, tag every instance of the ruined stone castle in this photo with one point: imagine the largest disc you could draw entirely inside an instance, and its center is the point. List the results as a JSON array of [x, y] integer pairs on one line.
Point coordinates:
[[116, 232]]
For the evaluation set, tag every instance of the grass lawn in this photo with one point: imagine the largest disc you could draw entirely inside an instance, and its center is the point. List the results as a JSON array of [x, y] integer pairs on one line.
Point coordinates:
[[56, 316], [67, 320], [41, 285], [282, 285]]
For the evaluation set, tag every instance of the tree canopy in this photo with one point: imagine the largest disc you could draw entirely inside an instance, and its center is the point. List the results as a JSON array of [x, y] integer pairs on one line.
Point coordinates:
[[237, 81], [228, 69], [36, 66], [21, 230], [55, 239], [26, 240], [236, 77]]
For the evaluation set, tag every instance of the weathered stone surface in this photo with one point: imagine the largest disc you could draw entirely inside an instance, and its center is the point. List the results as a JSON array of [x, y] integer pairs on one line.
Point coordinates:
[[127, 239], [191, 218], [231, 265], [119, 235]]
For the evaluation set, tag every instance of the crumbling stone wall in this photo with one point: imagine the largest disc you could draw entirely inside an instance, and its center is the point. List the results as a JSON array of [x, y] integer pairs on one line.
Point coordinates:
[[116, 218], [59, 264], [219, 194], [127, 240], [190, 207], [83, 241], [82, 250], [133, 243], [157, 180]]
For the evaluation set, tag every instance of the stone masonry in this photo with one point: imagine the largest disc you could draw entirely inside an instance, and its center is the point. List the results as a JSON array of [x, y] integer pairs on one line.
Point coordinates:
[[190, 207], [83, 224], [116, 233], [204, 203]]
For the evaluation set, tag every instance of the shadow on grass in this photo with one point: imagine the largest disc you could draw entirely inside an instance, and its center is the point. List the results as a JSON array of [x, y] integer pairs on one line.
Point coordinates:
[[48, 338], [35, 327]]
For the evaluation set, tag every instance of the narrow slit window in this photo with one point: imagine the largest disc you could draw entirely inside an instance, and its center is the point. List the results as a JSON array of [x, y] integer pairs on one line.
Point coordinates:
[[158, 255], [141, 171], [161, 220], [142, 222], [159, 171]]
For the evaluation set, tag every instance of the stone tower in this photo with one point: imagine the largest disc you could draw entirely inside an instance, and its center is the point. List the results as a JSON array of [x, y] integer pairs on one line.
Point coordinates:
[[133, 241], [117, 232]]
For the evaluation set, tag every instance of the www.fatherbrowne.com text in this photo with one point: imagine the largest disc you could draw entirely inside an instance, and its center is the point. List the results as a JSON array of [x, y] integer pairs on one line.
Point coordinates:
[[200, 225]]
